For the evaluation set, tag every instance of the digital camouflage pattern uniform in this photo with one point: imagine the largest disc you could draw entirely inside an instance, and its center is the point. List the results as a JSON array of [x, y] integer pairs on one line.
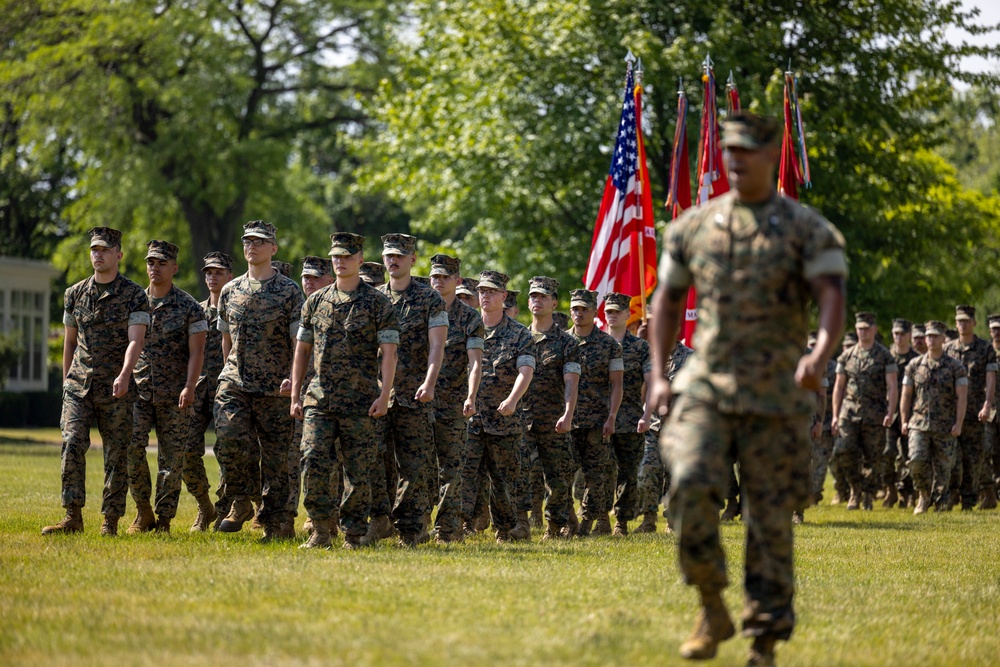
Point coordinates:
[[195, 477], [252, 420], [979, 360], [598, 355], [654, 472], [896, 453], [408, 431], [101, 314], [160, 376], [346, 330], [627, 443], [989, 476], [555, 353], [493, 438], [465, 332], [751, 268], [823, 447], [933, 449], [858, 448]]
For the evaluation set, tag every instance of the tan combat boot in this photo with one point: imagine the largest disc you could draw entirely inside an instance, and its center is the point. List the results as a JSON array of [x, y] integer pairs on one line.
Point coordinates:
[[162, 525], [206, 514], [891, 497], [278, 530], [585, 527], [335, 521], [854, 503], [71, 523], [144, 521], [554, 532], [521, 529], [989, 501], [240, 512], [836, 500], [866, 501], [307, 527], [621, 528], [109, 527], [320, 537], [574, 523], [603, 526], [256, 523], [379, 528], [648, 524], [762, 651], [537, 515], [923, 503], [712, 627]]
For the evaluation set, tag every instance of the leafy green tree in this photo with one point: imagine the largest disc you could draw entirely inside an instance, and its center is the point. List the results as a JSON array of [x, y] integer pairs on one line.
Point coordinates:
[[498, 122]]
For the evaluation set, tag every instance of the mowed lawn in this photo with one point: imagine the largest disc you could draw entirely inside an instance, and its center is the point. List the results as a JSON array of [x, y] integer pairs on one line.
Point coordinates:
[[876, 588]]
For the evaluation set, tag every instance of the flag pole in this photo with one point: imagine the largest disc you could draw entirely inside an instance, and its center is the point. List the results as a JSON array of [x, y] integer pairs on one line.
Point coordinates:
[[642, 225]]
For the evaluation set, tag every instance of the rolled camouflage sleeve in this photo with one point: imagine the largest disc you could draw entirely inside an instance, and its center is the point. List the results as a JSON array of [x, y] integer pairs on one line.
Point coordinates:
[[823, 254], [891, 368], [69, 320], [616, 362], [475, 333], [222, 324], [572, 362], [388, 324], [991, 360], [305, 332], [139, 309]]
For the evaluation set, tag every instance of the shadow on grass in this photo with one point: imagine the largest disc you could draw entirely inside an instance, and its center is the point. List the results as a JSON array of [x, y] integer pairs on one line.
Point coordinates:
[[23, 447], [875, 525]]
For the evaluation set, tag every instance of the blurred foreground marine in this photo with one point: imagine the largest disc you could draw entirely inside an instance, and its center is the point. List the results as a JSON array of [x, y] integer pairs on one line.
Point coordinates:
[[755, 258]]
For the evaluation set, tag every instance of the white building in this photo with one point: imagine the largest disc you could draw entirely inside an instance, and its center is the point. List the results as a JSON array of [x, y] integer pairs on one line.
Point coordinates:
[[24, 307]]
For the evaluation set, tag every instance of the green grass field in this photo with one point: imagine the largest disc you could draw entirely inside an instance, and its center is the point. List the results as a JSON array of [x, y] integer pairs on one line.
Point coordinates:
[[876, 588]]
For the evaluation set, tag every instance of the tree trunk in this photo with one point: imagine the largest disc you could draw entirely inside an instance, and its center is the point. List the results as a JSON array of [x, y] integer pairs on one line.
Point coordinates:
[[211, 231]]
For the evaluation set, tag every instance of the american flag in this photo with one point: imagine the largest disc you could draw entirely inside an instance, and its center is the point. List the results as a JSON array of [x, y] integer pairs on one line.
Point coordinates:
[[623, 250]]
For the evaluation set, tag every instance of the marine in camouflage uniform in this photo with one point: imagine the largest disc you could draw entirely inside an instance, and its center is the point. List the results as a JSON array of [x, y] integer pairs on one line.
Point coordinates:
[[373, 273], [633, 416], [600, 396], [105, 321], [551, 402], [166, 377], [408, 437], [935, 388], [218, 270], [495, 430], [919, 339], [894, 471], [258, 317], [822, 447], [990, 471], [864, 403], [466, 293], [345, 329], [654, 476], [455, 396], [754, 267], [317, 273], [980, 361]]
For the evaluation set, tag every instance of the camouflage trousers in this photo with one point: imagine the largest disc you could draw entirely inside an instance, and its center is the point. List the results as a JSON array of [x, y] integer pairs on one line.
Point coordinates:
[[555, 459], [623, 494], [296, 474], [496, 456], [932, 458], [330, 440], [773, 455], [194, 475], [451, 432], [253, 432], [822, 448], [522, 485], [173, 427], [407, 444], [114, 422], [654, 476], [968, 465], [897, 446], [592, 453], [989, 475], [858, 452]]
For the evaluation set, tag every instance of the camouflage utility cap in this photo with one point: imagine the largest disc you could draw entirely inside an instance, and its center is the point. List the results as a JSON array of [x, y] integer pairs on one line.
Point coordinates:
[[510, 301], [583, 298], [399, 244], [561, 320], [373, 273], [258, 229], [851, 338], [444, 265], [343, 244], [317, 267], [935, 328], [284, 268], [918, 331], [964, 312], [467, 286], [899, 325], [994, 321], [543, 285], [492, 280], [617, 301], [749, 131], [105, 236], [161, 250], [864, 320], [218, 260]]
